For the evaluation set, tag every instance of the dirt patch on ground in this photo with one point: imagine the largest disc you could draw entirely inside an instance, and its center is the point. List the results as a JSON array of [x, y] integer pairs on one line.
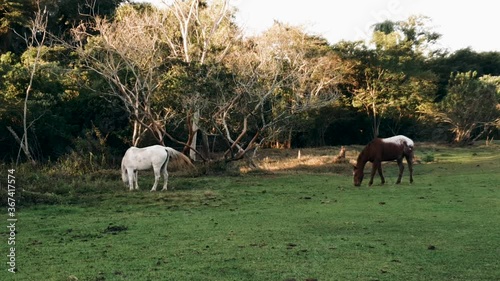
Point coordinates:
[[114, 229]]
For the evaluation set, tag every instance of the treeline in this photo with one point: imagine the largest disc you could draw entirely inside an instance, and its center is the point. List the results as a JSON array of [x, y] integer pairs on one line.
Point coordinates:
[[87, 80]]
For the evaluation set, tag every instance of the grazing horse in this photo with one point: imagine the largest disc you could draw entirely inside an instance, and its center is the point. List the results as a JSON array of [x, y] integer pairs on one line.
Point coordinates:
[[388, 149], [156, 157]]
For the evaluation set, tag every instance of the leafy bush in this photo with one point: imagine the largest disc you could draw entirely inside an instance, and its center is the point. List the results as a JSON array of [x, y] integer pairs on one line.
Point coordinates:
[[428, 158]]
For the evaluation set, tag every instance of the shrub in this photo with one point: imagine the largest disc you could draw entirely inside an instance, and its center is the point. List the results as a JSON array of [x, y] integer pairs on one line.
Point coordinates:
[[428, 158]]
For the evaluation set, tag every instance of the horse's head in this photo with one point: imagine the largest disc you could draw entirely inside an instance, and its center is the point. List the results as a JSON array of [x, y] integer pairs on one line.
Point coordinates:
[[357, 175]]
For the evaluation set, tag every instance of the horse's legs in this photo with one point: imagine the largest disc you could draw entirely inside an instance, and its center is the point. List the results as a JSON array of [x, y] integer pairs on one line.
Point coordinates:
[[409, 160], [130, 175], [401, 169], [375, 167], [136, 176], [157, 177], [165, 177], [380, 173]]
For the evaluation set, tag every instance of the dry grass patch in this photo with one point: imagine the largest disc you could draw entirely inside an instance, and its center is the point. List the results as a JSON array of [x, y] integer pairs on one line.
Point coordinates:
[[317, 160]]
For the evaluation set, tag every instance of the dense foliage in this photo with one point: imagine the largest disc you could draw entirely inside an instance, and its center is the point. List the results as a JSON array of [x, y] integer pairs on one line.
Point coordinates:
[[111, 75]]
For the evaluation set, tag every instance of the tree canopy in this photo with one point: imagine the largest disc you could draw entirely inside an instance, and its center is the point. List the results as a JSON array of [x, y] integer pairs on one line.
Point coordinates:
[[113, 74]]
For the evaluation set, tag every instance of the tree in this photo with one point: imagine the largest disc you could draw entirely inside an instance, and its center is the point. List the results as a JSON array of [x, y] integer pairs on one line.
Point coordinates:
[[130, 62], [207, 34], [390, 80], [277, 75], [143, 46], [470, 105], [463, 60], [38, 28], [62, 16], [67, 14], [14, 17], [35, 92], [379, 86]]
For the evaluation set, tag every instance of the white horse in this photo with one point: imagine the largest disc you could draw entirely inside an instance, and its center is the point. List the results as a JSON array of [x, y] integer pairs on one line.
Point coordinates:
[[156, 157]]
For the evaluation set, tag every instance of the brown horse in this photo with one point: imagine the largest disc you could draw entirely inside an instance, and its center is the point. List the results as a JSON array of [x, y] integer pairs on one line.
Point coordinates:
[[388, 149]]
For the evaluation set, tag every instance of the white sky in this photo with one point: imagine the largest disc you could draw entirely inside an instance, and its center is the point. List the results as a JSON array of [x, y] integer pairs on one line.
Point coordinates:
[[462, 24]]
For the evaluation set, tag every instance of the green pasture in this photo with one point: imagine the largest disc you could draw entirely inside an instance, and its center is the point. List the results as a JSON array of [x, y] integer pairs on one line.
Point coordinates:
[[266, 226]]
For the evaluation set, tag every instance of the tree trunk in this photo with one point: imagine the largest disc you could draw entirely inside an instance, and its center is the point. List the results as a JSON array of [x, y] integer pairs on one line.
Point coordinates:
[[288, 142], [205, 146], [194, 139], [24, 147]]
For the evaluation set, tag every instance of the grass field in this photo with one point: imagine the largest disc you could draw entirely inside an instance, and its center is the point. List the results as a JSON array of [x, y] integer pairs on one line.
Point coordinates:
[[305, 221]]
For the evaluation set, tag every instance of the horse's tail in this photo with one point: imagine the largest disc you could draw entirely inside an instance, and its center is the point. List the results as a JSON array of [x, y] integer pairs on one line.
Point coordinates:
[[408, 146], [179, 160]]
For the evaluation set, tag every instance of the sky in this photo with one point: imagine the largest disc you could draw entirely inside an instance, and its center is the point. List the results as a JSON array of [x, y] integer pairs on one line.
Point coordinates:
[[462, 24]]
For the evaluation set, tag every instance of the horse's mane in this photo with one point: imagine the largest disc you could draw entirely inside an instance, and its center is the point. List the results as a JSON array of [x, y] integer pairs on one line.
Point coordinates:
[[366, 149]]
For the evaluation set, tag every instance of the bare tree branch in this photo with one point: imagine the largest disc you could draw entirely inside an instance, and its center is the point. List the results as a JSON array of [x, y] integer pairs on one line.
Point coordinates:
[[38, 27]]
